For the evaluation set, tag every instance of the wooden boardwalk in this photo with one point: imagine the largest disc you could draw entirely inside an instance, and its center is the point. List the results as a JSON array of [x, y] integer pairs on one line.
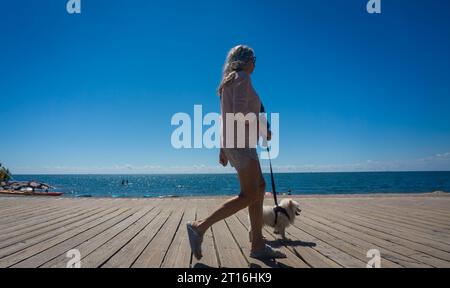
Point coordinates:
[[409, 231]]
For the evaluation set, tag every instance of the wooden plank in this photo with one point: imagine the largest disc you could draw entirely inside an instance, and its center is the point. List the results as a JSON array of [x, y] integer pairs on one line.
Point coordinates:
[[27, 239], [30, 230], [439, 205], [410, 225], [26, 213], [385, 246], [292, 259], [342, 244], [409, 231], [435, 235], [361, 245], [432, 239], [125, 231], [402, 205], [42, 219], [87, 235], [179, 253], [419, 207], [18, 237], [92, 244], [153, 255], [415, 215], [20, 252], [370, 211], [298, 238], [370, 208], [208, 247], [240, 234], [32, 210], [228, 252], [18, 208], [356, 224], [127, 255]]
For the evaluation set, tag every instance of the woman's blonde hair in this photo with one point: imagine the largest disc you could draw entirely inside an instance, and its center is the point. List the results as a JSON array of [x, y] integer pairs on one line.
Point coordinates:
[[237, 60]]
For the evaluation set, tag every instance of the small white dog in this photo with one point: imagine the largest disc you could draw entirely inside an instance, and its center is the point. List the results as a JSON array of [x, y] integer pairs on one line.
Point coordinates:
[[292, 208]]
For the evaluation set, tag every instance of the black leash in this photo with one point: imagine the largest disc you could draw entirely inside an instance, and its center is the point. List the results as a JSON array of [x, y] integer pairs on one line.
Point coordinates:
[[277, 209]]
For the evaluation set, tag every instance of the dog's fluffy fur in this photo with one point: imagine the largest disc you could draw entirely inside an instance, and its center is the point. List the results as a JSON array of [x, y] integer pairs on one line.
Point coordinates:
[[292, 208]]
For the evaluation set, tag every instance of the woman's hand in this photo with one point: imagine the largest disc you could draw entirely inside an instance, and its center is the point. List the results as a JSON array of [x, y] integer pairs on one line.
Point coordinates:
[[223, 158]]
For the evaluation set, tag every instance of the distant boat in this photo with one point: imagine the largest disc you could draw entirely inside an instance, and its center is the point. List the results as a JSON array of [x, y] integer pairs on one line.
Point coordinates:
[[27, 188], [19, 185]]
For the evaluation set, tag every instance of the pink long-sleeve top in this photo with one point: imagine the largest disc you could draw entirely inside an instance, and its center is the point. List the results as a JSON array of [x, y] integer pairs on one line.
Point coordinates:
[[239, 96]]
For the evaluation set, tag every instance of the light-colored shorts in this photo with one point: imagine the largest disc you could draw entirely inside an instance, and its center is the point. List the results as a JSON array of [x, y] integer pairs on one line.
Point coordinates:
[[240, 157]]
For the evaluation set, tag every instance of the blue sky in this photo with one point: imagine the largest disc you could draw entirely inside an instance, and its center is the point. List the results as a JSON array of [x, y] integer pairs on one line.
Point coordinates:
[[94, 93]]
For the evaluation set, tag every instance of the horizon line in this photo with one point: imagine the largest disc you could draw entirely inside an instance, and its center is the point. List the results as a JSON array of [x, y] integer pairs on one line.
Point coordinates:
[[227, 173]]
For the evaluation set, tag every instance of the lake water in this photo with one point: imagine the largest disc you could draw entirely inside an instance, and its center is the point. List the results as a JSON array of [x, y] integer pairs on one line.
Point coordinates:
[[227, 184]]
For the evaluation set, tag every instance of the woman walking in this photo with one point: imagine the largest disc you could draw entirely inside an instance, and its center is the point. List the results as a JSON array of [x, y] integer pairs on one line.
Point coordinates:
[[238, 96]]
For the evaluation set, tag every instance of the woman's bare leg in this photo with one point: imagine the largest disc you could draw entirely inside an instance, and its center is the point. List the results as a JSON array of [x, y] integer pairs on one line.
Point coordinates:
[[255, 211], [249, 178]]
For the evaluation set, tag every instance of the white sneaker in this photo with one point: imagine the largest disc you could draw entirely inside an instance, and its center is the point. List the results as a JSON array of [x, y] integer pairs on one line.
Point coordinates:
[[195, 240]]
